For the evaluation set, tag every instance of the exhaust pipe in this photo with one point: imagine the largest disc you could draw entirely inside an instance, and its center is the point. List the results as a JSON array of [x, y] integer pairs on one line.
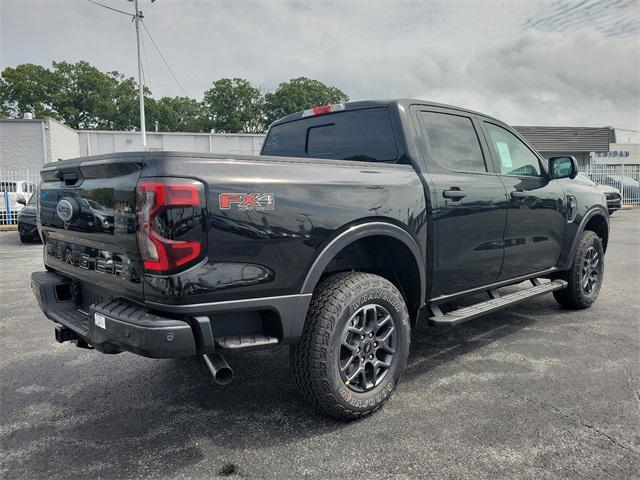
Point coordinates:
[[219, 368]]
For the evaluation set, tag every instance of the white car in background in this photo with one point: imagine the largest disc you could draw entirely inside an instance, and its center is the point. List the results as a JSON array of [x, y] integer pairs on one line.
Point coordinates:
[[614, 197]]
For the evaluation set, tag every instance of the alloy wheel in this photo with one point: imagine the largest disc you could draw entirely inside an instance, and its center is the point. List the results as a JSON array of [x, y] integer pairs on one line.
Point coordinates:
[[367, 347], [590, 274]]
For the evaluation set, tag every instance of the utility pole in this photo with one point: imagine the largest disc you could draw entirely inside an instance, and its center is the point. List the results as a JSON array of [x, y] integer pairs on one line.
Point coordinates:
[[143, 129]]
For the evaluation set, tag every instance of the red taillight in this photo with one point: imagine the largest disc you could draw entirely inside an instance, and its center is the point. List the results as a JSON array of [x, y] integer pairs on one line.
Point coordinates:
[[154, 198], [323, 109]]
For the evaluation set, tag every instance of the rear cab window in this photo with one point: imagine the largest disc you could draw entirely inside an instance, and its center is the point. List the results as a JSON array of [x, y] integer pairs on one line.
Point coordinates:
[[361, 135], [453, 142]]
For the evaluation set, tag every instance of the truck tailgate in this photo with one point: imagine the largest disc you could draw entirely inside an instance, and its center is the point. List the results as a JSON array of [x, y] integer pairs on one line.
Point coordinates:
[[88, 224]]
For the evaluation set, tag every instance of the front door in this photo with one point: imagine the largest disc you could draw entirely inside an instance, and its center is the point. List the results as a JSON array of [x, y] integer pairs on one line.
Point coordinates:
[[536, 213], [467, 200]]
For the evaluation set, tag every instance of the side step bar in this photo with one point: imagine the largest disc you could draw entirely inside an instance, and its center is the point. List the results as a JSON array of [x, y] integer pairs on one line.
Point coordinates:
[[463, 314], [244, 341]]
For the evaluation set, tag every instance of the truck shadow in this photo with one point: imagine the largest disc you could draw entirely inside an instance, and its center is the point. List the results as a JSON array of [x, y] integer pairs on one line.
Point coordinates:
[[138, 417]]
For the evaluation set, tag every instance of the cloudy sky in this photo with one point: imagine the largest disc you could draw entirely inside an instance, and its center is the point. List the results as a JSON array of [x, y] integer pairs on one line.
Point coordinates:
[[557, 62]]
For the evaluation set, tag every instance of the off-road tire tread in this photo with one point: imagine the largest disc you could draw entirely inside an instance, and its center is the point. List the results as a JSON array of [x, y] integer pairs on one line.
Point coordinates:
[[308, 356], [572, 296]]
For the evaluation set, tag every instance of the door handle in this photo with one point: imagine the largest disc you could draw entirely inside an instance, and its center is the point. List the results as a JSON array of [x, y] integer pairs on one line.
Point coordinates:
[[519, 195], [455, 193]]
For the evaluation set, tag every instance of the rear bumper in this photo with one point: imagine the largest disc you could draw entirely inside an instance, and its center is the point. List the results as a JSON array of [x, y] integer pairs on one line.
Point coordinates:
[[119, 325], [113, 326]]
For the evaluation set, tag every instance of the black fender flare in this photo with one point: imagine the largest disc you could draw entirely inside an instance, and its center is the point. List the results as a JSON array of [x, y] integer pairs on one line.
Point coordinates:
[[592, 212], [355, 233]]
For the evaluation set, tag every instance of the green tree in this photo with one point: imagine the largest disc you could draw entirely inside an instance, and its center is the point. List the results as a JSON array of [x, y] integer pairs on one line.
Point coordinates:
[[77, 93], [299, 94], [234, 106], [27, 88], [178, 114], [88, 98]]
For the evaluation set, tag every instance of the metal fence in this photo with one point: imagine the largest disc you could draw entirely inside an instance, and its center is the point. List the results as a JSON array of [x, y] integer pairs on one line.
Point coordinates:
[[625, 178], [18, 184]]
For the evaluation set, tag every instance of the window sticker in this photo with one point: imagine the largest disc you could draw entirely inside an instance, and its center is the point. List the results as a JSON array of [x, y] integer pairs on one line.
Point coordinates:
[[505, 155]]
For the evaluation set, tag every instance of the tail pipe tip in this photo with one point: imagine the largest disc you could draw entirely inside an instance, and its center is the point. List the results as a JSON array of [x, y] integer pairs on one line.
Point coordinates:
[[219, 368]]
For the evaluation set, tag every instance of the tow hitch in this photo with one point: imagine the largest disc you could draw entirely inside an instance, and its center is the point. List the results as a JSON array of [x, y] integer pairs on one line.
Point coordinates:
[[64, 334]]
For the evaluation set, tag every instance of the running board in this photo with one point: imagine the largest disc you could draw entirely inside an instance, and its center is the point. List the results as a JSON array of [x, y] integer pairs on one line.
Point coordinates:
[[497, 302]]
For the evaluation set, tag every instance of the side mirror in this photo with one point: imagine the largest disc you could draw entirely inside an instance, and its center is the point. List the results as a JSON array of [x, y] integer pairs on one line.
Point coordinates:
[[563, 167], [21, 201]]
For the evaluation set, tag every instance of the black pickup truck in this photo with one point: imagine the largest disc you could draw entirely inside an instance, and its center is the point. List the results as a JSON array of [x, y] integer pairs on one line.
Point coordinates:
[[357, 221]]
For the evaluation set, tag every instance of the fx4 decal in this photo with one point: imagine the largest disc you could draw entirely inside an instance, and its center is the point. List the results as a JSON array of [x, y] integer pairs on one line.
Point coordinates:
[[247, 201]]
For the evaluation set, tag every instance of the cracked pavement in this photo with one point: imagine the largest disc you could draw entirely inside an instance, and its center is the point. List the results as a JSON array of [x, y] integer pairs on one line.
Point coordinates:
[[533, 391]]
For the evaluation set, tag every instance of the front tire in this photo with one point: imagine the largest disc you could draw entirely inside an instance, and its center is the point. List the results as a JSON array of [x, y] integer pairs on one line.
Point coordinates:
[[584, 278], [354, 345]]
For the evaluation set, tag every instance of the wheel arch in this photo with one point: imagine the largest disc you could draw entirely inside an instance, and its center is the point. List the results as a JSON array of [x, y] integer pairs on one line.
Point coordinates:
[[595, 220], [377, 234]]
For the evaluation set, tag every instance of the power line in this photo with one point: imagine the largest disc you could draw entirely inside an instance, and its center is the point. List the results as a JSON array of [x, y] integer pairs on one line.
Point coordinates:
[[145, 73], [164, 59], [111, 8]]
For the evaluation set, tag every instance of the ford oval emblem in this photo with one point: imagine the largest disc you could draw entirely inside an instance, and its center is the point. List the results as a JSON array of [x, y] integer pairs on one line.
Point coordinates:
[[64, 209]]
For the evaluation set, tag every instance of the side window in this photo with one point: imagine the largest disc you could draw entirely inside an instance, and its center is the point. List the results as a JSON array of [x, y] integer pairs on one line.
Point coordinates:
[[514, 156], [453, 142]]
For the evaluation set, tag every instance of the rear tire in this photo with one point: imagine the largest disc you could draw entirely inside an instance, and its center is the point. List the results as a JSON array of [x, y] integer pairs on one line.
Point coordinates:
[[354, 345], [25, 239], [584, 278]]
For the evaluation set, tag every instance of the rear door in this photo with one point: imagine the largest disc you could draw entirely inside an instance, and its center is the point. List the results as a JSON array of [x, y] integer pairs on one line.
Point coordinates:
[[87, 216], [468, 201], [536, 213]]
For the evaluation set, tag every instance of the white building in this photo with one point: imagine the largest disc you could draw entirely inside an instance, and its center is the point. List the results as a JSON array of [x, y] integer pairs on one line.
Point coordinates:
[[28, 143], [618, 154], [96, 142]]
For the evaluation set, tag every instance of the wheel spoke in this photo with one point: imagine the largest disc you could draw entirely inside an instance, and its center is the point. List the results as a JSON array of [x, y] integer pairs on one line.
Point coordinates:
[[366, 349], [348, 346], [362, 373], [355, 330], [355, 374], [382, 363], [383, 321], [383, 341], [348, 364]]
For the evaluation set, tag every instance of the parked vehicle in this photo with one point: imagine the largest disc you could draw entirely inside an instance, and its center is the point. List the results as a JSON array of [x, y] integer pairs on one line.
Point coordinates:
[[13, 194], [27, 224], [612, 194], [358, 220], [627, 186]]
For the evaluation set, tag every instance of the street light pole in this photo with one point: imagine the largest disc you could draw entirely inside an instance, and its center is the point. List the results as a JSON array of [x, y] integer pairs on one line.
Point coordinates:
[[143, 130]]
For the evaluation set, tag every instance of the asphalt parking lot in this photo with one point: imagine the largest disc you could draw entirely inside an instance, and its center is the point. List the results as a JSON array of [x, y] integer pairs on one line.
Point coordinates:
[[530, 392]]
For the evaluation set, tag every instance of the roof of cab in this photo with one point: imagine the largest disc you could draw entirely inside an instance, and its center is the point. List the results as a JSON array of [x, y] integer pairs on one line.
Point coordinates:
[[405, 102]]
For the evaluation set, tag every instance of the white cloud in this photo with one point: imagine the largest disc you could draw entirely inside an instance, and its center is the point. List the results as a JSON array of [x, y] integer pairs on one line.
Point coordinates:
[[564, 62]]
